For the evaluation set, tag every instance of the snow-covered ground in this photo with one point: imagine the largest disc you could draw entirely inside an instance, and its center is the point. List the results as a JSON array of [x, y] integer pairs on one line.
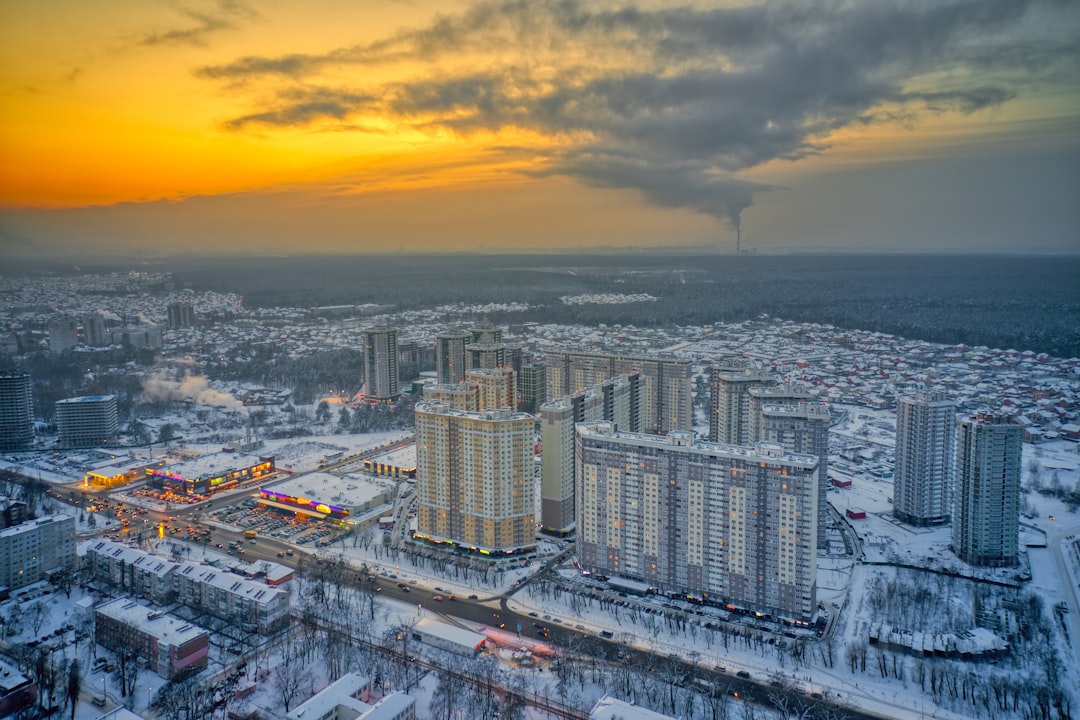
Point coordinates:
[[848, 590]]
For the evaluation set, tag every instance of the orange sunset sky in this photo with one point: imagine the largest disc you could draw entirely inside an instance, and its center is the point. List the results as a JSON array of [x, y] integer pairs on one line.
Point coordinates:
[[157, 127]]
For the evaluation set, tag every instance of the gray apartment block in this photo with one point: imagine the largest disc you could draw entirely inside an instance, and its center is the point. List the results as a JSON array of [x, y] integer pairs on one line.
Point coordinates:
[[730, 524], [986, 510], [36, 549], [925, 457]]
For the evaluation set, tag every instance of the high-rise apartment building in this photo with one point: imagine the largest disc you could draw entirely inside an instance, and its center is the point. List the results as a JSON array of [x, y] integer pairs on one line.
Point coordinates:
[[495, 387], [485, 332], [89, 421], [484, 389], [801, 428], [761, 395], [138, 336], [616, 400], [63, 333], [515, 357], [925, 456], [667, 394], [485, 355], [730, 415], [381, 364], [735, 524], [450, 355], [986, 508], [16, 412], [181, 315], [533, 384], [98, 327], [475, 478], [460, 396]]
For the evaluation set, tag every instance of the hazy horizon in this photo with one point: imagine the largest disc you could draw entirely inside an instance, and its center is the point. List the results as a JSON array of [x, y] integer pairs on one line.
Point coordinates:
[[227, 126]]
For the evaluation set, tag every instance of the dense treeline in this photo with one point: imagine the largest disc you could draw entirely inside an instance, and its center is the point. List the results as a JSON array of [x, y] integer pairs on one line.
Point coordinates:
[[1025, 303], [1019, 302]]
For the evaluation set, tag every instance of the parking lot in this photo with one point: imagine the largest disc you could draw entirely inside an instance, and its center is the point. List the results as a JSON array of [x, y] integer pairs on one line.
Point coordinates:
[[298, 530]]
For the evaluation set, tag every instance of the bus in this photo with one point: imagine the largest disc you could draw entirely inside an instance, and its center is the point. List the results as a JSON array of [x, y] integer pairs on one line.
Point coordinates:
[[249, 533]]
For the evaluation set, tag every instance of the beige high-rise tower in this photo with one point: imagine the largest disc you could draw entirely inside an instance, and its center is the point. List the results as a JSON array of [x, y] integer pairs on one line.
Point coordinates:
[[475, 478]]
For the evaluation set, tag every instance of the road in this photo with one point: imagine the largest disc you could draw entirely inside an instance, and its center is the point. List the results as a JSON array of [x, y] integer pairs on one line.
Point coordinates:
[[1063, 539]]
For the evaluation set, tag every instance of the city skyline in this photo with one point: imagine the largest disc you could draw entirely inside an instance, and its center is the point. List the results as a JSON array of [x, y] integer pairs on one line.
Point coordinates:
[[231, 127]]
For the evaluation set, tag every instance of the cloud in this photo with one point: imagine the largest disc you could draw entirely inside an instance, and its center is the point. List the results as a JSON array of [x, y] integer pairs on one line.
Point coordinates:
[[226, 15], [673, 101]]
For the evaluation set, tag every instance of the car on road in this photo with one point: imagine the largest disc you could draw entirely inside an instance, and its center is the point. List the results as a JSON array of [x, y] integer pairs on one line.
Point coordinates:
[[473, 597], [438, 598], [281, 554]]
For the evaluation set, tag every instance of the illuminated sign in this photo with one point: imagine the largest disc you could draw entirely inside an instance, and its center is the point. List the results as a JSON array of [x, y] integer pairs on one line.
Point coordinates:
[[302, 502]]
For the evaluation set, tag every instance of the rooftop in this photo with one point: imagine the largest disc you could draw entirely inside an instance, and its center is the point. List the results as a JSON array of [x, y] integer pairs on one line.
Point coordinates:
[[167, 629]]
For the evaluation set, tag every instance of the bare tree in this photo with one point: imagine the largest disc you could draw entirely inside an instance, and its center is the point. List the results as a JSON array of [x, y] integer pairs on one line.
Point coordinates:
[[74, 685], [292, 674], [36, 615], [127, 671]]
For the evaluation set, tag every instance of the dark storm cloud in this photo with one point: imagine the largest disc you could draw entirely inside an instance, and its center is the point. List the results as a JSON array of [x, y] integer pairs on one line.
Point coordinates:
[[673, 101], [225, 16]]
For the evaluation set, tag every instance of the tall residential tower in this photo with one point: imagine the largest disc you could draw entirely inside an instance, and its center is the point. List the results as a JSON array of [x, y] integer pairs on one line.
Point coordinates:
[[730, 417], [381, 364], [923, 476], [475, 478], [986, 511], [616, 400], [450, 355], [16, 412]]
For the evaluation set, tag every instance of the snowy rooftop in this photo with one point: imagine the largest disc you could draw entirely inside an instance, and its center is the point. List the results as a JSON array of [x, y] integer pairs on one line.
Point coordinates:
[[609, 708], [452, 633], [10, 678], [766, 452], [132, 556], [230, 582], [214, 465], [346, 490], [165, 628], [403, 457], [30, 524], [340, 692], [89, 399]]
